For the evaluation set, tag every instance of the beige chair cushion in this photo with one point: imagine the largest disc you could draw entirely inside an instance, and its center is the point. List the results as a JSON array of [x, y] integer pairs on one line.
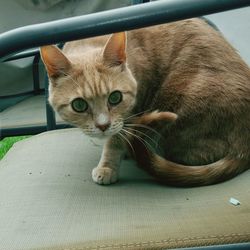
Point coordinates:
[[49, 201]]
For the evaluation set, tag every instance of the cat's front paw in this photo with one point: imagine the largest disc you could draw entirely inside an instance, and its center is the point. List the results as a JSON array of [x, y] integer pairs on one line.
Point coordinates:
[[104, 175]]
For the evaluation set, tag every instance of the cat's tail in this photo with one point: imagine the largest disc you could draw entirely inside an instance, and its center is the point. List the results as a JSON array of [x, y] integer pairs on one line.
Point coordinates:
[[175, 174]]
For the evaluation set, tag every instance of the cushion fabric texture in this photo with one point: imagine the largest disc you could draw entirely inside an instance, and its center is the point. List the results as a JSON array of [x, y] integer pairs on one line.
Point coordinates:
[[49, 201]]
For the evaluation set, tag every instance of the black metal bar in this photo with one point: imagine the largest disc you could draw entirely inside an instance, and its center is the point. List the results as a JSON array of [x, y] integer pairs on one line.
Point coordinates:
[[23, 54], [35, 72], [17, 95], [50, 114], [32, 130], [41, 91], [26, 53], [139, 1], [101, 23]]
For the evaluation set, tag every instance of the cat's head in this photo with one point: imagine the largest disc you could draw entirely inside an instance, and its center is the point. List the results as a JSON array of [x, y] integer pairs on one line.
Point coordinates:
[[94, 90]]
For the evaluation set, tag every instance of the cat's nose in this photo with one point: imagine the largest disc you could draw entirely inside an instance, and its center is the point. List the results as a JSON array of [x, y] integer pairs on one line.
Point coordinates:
[[102, 121], [103, 127]]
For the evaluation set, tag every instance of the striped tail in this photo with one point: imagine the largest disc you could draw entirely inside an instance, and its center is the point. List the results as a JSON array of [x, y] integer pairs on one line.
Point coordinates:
[[180, 175]]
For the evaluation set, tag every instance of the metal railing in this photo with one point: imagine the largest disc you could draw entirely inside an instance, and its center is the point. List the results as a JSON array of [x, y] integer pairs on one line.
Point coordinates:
[[14, 43]]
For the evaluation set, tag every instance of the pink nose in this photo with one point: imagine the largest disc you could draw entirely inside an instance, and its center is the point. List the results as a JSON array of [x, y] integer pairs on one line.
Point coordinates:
[[103, 127]]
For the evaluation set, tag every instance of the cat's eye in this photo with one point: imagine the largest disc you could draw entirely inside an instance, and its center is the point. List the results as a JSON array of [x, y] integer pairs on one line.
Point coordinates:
[[115, 98], [79, 105]]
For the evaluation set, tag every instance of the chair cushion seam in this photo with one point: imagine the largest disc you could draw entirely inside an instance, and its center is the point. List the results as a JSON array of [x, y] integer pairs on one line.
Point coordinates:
[[164, 241]]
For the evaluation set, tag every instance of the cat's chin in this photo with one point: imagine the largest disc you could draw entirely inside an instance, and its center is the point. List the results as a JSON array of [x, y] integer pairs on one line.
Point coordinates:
[[101, 136]]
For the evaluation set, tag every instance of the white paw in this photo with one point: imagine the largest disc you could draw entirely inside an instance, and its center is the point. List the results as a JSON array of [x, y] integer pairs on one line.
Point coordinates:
[[104, 175]]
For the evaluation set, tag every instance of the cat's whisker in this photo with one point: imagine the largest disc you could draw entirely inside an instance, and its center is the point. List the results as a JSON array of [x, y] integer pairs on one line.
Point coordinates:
[[120, 119], [144, 134], [127, 140], [118, 124], [137, 137], [144, 126], [142, 112]]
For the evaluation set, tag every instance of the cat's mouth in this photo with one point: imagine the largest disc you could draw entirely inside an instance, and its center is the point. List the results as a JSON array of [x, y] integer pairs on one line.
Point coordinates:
[[104, 134]]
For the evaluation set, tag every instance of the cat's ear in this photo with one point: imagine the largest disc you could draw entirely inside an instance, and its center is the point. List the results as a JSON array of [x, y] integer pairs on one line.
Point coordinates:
[[55, 61], [114, 53]]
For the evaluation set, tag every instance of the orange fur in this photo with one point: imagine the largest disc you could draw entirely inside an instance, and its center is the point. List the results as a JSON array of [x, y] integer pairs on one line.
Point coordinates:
[[186, 71]]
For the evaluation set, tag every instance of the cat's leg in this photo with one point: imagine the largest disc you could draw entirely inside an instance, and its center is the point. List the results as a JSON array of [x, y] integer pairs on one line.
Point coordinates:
[[107, 171]]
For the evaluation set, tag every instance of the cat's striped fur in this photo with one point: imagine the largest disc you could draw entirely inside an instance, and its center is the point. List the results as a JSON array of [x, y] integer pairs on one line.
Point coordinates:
[[184, 67]]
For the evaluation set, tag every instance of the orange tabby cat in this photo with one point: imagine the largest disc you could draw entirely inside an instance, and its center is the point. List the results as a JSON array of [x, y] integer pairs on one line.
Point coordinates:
[[112, 86]]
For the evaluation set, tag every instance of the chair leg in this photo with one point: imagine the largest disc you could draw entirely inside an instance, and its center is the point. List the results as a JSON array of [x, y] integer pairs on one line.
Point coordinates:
[[50, 114], [35, 71], [133, 2]]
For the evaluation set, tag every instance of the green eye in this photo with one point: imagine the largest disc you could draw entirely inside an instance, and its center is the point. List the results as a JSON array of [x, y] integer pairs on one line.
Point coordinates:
[[79, 105], [115, 98]]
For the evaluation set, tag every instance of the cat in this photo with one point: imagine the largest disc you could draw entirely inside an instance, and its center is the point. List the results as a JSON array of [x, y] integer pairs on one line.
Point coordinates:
[[177, 96]]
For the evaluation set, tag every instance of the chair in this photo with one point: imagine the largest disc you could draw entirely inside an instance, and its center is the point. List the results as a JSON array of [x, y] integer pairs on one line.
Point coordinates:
[[48, 200]]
